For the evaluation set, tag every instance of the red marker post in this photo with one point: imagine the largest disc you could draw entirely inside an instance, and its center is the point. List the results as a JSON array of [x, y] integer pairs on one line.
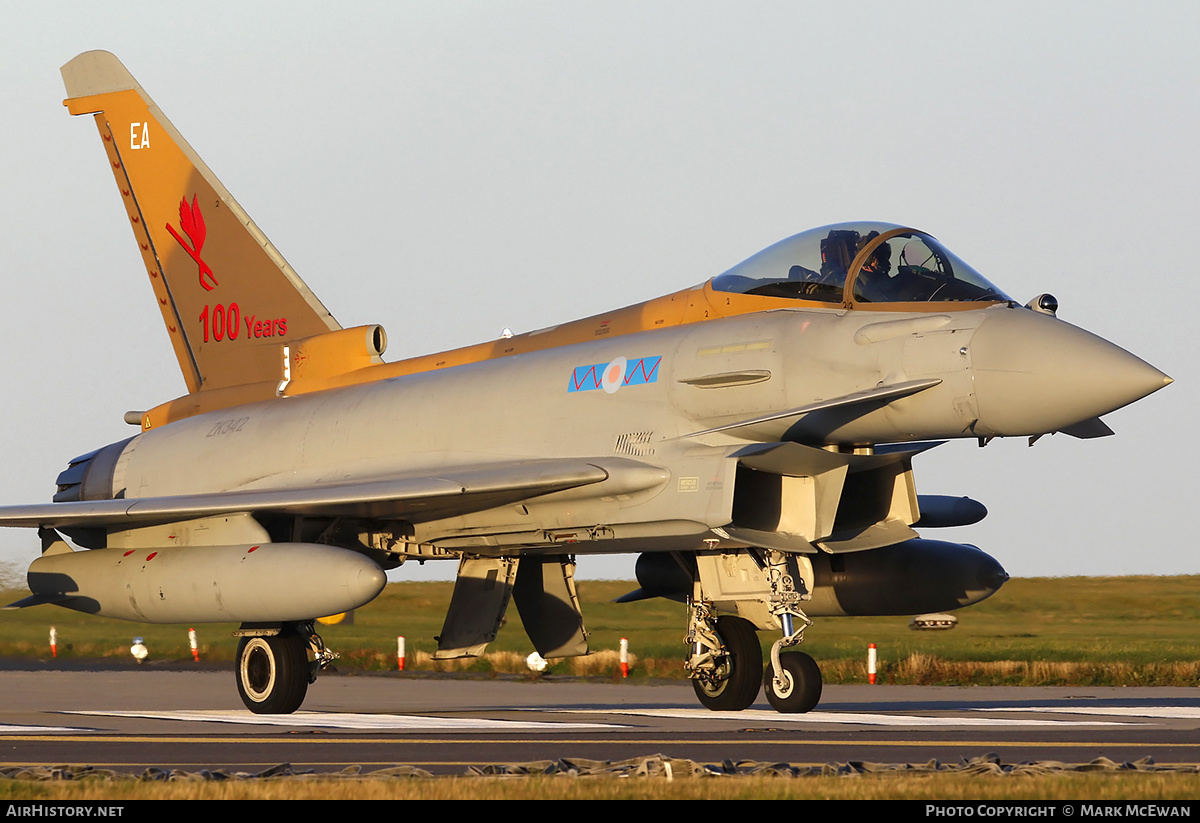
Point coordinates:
[[53, 642], [871, 661], [400, 652], [192, 643], [624, 657]]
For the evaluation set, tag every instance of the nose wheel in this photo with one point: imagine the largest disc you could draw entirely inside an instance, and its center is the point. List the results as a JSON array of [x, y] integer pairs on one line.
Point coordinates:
[[796, 688]]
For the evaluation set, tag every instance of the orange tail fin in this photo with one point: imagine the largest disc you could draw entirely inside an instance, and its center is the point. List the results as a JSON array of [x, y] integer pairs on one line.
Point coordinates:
[[228, 298]]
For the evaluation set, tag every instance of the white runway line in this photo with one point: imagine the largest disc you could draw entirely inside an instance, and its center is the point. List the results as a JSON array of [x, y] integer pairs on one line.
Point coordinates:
[[391, 722], [360, 722], [1162, 712], [853, 718]]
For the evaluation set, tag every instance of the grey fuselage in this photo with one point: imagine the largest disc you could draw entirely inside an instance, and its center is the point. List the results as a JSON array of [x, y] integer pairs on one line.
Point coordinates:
[[676, 382]]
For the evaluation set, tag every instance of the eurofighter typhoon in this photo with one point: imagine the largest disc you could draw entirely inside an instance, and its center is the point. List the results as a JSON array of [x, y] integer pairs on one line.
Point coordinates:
[[751, 438]]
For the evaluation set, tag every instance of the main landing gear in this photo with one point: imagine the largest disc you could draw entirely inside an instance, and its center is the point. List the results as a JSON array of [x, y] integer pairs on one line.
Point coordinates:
[[275, 664], [726, 662]]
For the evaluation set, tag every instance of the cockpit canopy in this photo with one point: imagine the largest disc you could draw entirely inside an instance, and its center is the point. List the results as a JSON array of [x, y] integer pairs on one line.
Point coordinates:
[[861, 264]]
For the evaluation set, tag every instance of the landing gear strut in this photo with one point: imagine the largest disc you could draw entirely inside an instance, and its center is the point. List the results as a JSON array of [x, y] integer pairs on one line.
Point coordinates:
[[274, 666], [792, 680]]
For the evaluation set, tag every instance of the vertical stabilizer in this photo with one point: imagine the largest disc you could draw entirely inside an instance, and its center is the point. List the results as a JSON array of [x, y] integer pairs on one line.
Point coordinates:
[[228, 298]]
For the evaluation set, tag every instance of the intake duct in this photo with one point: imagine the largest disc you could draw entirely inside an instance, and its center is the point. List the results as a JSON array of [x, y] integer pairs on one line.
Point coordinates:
[[90, 476]]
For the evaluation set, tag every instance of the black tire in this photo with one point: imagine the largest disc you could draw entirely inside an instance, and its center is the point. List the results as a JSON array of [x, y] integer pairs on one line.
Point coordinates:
[[743, 662], [803, 684], [272, 673]]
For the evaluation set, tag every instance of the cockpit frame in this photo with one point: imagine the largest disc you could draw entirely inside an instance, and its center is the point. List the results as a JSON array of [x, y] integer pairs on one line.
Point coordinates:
[[927, 276]]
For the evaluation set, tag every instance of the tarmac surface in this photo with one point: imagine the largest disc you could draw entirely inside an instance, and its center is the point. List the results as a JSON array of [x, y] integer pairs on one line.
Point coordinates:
[[133, 719]]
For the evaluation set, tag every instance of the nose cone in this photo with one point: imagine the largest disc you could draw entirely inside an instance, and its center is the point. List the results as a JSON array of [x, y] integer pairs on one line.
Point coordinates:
[[1036, 374]]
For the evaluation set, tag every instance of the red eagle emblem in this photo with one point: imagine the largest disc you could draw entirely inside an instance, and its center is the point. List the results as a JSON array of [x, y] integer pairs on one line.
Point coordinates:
[[192, 223]]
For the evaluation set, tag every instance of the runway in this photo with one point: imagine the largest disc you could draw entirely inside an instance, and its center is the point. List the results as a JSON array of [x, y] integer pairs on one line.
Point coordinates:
[[130, 720]]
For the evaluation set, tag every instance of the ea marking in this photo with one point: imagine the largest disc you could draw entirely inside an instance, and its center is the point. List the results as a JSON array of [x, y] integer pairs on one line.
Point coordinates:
[[615, 374], [139, 136], [224, 322]]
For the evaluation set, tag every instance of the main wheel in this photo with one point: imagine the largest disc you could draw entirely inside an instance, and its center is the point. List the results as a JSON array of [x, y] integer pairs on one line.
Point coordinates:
[[737, 684], [272, 673], [800, 690]]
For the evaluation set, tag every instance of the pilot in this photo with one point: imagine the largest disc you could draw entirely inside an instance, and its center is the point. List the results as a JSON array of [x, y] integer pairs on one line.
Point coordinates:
[[874, 281], [837, 252]]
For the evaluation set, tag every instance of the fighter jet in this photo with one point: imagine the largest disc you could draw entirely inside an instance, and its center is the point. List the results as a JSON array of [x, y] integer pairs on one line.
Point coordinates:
[[751, 438]]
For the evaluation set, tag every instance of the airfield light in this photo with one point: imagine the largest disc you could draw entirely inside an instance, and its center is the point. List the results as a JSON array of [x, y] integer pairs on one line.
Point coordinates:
[[933, 621], [139, 650], [871, 661], [53, 642], [536, 663]]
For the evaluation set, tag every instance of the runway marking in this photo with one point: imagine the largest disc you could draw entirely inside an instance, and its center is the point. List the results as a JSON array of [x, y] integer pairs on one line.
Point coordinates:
[[1164, 712], [849, 718], [347, 720], [388, 722], [6, 729]]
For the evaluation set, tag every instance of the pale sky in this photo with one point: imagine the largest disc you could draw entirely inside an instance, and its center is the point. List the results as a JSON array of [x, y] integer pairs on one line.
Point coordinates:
[[450, 169]]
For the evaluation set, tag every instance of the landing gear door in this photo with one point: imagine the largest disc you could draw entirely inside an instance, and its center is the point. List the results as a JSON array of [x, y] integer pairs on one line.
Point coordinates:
[[477, 606], [549, 606]]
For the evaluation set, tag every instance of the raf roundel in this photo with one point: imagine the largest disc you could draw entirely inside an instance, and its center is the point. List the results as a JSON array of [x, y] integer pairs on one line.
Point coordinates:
[[614, 375]]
